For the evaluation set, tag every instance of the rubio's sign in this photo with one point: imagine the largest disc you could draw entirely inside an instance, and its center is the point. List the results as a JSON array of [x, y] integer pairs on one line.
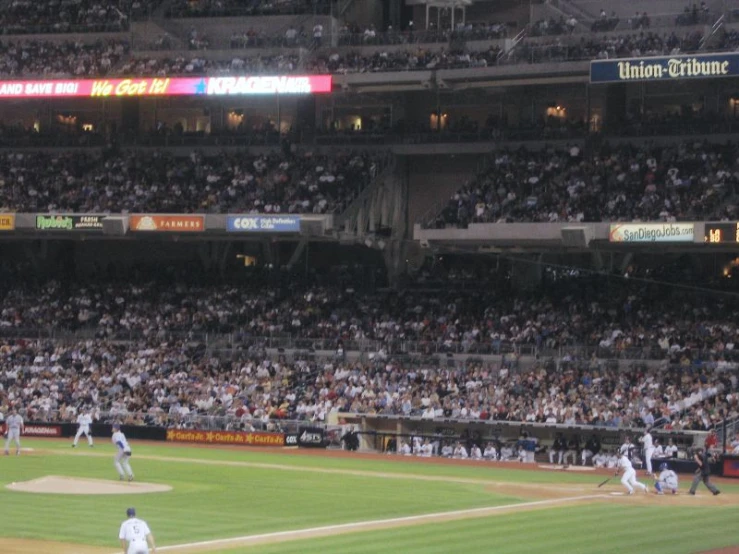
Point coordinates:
[[664, 68], [69, 222]]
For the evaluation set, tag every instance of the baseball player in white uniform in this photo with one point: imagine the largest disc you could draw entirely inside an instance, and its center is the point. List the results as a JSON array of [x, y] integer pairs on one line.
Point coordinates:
[[648, 445], [490, 452], [14, 426], [122, 455], [628, 479], [667, 480], [671, 449], [626, 448], [135, 535], [84, 420]]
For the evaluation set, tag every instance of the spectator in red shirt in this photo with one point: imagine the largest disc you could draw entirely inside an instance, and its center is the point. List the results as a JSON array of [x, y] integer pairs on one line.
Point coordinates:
[[711, 441]]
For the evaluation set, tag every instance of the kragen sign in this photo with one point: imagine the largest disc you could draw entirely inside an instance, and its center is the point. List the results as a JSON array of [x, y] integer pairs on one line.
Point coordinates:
[[42, 430], [263, 224], [158, 86], [666, 68], [651, 232], [7, 222], [167, 223], [65, 222], [226, 437]]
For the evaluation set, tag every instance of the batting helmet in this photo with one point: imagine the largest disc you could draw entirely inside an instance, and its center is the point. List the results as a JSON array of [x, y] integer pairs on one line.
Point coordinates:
[[663, 466], [131, 512]]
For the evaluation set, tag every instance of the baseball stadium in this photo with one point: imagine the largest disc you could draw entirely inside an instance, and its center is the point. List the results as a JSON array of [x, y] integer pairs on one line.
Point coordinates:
[[364, 276]]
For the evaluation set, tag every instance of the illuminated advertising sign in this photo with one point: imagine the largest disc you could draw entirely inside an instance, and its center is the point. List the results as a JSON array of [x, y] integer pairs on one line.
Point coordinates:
[[167, 223], [65, 222], [263, 224], [722, 233], [226, 437], [665, 68], [159, 86], [7, 222], [651, 232]]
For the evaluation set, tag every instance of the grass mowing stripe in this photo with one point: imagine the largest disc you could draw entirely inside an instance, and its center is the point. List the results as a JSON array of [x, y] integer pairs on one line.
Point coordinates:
[[622, 531], [400, 521]]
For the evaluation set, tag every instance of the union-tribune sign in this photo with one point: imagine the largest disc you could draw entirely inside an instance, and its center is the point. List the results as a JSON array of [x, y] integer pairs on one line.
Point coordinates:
[[169, 86], [665, 68]]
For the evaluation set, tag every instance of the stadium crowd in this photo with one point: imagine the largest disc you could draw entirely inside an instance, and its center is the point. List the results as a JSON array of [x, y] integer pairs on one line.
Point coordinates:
[[53, 16], [351, 34], [23, 59], [484, 315], [107, 58], [606, 47], [668, 183], [158, 382], [225, 8], [194, 65], [299, 182], [404, 60]]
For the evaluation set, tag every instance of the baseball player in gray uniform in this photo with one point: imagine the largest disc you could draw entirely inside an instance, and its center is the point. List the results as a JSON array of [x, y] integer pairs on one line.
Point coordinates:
[[122, 454], [14, 425]]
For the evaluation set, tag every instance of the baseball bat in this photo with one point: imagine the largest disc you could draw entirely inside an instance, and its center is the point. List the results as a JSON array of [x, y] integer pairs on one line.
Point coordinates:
[[604, 482]]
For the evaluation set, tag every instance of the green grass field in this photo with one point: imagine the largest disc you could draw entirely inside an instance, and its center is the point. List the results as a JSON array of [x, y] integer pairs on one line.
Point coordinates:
[[224, 493]]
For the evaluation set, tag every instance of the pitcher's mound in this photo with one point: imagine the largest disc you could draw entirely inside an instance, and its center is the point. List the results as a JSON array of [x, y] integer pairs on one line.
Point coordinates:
[[54, 484]]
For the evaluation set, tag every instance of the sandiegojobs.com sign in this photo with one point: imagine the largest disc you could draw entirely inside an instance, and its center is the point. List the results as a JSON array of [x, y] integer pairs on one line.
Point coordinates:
[[651, 232], [189, 86], [670, 68]]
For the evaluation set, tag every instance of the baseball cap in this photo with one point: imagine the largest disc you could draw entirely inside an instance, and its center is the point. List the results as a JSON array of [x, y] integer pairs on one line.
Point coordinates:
[[116, 426], [131, 512]]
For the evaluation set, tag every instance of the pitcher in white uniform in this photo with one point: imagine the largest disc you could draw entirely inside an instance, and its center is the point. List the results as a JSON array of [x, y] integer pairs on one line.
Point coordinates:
[[648, 445], [14, 425], [628, 479], [84, 420], [135, 535]]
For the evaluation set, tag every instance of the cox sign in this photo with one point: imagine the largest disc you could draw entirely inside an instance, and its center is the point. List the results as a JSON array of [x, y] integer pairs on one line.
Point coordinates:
[[263, 224]]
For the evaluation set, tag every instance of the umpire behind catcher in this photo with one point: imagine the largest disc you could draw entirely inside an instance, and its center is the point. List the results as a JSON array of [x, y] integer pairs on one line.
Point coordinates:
[[703, 473]]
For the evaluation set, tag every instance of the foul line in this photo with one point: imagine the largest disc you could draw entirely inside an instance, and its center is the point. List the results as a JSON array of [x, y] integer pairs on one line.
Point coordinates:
[[327, 530]]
